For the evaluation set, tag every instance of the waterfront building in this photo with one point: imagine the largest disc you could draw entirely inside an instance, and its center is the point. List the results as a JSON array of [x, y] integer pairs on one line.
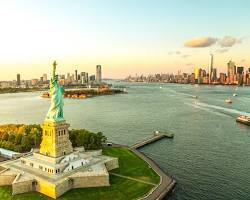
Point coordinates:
[[76, 75], [210, 66], [98, 74], [196, 73], [222, 78], [192, 78], [203, 73], [84, 77], [45, 78], [214, 75], [231, 68], [41, 79], [92, 78], [18, 79], [56, 167], [34, 82], [240, 70], [231, 72]]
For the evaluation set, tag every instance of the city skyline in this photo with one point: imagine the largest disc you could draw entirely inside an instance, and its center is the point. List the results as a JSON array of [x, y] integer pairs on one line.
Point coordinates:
[[125, 38]]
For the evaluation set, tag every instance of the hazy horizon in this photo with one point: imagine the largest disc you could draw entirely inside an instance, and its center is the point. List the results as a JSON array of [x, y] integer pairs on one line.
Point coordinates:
[[129, 37]]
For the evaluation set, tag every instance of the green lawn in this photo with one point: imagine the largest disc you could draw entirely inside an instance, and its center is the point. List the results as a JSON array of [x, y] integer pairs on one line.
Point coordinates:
[[131, 165], [120, 189]]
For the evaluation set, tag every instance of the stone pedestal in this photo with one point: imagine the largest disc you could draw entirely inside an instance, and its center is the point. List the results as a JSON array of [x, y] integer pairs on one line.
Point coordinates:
[[55, 140]]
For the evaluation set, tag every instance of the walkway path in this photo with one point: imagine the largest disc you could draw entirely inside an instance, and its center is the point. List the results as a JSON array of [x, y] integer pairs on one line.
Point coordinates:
[[133, 179], [167, 183]]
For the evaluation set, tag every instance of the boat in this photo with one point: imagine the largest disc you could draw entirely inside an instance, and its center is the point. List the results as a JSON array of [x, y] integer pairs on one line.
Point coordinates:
[[164, 134], [195, 97], [228, 100], [235, 95], [244, 119]]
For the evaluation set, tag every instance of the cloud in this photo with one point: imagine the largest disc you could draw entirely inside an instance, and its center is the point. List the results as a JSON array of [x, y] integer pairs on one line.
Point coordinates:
[[189, 64], [185, 56], [225, 42], [228, 41], [222, 50], [241, 39], [174, 52], [200, 42]]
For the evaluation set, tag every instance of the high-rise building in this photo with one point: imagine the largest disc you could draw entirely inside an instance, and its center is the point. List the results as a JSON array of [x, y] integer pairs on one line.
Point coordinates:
[[92, 78], [76, 76], [45, 77], [18, 79], [231, 68], [231, 72], [98, 73], [196, 73], [240, 70], [214, 74], [210, 66], [84, 77], [222, 78]]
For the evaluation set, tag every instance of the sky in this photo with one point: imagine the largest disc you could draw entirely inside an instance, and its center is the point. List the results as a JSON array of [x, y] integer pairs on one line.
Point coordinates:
[[124, 36]]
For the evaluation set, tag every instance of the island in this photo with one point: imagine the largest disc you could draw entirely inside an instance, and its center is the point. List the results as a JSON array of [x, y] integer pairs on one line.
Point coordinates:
[[87, 93], [133, 179], [64, 163]]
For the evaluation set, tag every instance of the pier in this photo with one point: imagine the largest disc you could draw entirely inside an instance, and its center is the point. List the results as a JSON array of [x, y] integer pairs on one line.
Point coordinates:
[[167, 182], [157, 136]]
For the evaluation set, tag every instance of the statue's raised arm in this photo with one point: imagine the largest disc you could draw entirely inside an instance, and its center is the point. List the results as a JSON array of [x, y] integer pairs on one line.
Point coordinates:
[[54, 69]]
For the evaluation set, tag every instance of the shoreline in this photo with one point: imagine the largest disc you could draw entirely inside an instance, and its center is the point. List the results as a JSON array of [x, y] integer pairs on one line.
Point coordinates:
[[85, 93], [167, 183], [202, 84]]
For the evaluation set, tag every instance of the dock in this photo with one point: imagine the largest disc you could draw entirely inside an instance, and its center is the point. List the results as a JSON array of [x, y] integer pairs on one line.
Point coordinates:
[[157, 136], [167, 182]]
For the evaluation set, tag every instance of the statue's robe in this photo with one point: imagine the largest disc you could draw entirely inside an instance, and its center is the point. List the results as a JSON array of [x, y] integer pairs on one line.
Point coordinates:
[[55, 112]]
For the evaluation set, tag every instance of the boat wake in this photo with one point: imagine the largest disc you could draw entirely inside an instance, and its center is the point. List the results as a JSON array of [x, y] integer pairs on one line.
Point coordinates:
[[219, 109]]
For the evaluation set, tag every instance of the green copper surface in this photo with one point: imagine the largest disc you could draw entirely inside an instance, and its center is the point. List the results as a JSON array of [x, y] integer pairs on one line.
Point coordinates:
[[55, 112]]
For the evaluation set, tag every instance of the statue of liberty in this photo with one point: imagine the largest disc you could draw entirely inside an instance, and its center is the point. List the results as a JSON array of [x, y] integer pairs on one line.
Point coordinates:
[[55, 112]]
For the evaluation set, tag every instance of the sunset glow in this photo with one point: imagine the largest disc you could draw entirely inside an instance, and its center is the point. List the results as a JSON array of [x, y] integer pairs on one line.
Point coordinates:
[[124, 37]]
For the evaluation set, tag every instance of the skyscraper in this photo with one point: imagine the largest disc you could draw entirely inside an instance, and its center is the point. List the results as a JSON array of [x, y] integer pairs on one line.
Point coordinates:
[[84, 77], [231, 68], [98, 73], [214, 74], [45, 77], [240, 70], [76, 76], [210, 66], [231, 72], [18, 79]]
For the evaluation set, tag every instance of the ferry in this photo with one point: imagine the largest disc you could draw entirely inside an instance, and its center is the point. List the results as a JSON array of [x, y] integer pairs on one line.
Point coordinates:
[[228, 100], [244, 119], [235, 95]]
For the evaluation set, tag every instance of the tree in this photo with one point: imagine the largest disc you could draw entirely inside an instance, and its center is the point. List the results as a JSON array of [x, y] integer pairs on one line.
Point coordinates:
[[5, 136], [12, 138], [26, 143], [18, 139]]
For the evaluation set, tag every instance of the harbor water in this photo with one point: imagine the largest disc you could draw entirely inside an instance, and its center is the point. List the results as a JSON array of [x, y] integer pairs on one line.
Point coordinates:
[[209, 156]]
